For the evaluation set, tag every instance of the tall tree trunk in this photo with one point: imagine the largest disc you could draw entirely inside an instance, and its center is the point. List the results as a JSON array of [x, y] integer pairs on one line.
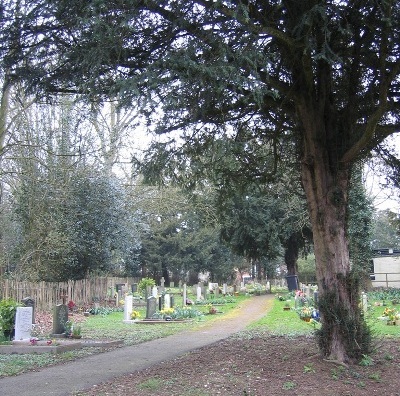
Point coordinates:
[[344, 335], [292, 254]]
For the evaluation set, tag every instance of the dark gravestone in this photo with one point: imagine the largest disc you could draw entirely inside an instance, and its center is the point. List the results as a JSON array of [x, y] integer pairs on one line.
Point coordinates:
[[29, 302], [151, 307], [134, 287], [60, 317]]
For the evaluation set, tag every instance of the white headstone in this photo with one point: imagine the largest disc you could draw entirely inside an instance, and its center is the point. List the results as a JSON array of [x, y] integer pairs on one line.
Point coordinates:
[[364, 301], [224, 289], [128, 307], [23, 323], [167, 301], [184, 294], [198, 292], [154, 291]]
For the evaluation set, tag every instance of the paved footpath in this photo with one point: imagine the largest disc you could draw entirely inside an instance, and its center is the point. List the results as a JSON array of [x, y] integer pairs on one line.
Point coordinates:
[[64, 379]]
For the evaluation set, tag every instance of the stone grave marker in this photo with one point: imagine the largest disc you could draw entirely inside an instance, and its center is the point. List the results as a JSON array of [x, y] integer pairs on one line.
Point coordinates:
[[151, 307], [23, 323], [29, 302], [172, 301], [198, 297], [167, 301], [224, 289], [134, 287], [128, 307], [162, 284], [364, 302], [60, 317], [184, 294], [147, 292], [154, 291], [160, 302], [172, 284]]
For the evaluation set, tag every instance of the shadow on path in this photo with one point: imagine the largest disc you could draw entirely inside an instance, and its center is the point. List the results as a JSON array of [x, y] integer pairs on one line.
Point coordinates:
[[73, 376]]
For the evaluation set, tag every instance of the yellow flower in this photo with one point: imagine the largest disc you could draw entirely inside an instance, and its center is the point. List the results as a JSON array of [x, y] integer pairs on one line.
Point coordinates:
[[135, 314]]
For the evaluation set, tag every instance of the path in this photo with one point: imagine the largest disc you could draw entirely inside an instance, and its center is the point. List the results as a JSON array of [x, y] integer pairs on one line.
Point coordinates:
[[62, 380]]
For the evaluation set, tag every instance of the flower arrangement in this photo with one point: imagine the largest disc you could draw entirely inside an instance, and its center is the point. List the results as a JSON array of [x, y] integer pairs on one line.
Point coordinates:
[[391, 314], [135, 315], [71, 305], [167, 311]]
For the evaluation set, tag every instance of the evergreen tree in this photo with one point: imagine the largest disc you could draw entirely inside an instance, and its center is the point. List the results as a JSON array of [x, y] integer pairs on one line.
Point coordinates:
[[323, 74]]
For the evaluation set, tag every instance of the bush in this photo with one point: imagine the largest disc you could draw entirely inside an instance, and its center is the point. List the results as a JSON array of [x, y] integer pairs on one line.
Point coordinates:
[[8, 310], [144, 283]]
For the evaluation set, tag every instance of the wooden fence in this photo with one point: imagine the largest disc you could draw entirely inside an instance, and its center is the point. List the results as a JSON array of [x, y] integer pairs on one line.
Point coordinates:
[[47, 294]]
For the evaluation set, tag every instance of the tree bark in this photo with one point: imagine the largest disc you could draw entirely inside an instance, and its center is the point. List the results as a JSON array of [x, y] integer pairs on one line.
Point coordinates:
[[326, 183], [292, 254]]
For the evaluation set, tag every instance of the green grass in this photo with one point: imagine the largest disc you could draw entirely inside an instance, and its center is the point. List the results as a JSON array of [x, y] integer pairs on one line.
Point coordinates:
[[111, 327], [280, 322], [276, 322]]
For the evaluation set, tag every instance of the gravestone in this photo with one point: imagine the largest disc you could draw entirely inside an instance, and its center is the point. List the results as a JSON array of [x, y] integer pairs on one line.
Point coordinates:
[[364, 302], [147, 292], [134, 288], [23, 323], [184, 294], [316, 298], [154, 291], [172, 284], [167, 301], [151, 307], [198, 293], [128, 307], [224, 289], [162, 285], [29, 302], [172, 301], [60, 317]]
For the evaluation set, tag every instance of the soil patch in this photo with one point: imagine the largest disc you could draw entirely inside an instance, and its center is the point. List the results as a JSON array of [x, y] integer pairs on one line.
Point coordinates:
[[261, 364]]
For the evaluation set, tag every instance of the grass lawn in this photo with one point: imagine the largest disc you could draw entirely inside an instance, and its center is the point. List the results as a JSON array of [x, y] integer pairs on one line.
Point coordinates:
[[111, 327]]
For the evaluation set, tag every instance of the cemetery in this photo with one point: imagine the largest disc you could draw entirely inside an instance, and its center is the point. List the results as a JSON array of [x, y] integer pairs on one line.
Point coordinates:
[[103, 327]]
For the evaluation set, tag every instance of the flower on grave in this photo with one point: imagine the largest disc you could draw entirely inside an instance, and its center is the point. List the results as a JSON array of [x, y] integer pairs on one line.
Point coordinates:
[[71, 305], [135, 315], [121, 302], [33, 341], [167, 311], [305, 312], [391, 313]]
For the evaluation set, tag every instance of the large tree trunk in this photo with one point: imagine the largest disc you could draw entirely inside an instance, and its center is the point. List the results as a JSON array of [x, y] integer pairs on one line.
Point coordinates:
[[344, 336], [292, 254]]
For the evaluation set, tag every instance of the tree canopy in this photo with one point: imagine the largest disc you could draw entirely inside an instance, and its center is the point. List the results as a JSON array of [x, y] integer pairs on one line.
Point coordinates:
[[321, 74]]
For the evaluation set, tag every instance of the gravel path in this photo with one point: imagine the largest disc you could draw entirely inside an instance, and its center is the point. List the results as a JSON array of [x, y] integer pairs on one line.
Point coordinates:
[[64, 379]]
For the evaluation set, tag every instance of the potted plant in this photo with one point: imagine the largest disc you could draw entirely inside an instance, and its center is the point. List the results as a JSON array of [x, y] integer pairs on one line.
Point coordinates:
[[76, 332], [8, 310], [212, 310]]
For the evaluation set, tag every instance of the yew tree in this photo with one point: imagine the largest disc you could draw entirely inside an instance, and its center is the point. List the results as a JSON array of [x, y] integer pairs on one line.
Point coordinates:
[[322, 74]]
